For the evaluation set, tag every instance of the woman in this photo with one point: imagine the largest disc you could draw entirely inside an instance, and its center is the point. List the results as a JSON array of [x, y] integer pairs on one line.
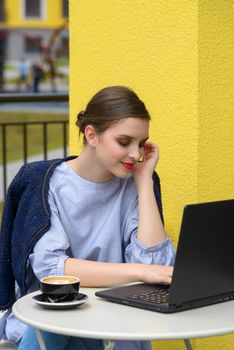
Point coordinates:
[[101, 221]]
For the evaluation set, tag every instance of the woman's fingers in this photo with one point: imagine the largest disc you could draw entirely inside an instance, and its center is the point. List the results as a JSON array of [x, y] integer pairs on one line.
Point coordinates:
[[154, 274]]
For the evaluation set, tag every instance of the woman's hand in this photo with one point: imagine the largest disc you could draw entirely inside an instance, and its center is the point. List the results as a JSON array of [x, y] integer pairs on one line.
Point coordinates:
[[146, 167], [153, 274]]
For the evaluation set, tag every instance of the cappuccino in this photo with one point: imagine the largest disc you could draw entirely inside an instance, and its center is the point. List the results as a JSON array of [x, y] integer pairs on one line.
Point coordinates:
[[60, 280], [59, 288]]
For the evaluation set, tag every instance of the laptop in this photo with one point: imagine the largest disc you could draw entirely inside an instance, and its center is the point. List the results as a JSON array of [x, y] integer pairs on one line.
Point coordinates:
[[204, 266]]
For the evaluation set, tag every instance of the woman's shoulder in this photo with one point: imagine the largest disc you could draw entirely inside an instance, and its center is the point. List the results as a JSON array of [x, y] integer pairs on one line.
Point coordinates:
[[59, 177], [41, 167]]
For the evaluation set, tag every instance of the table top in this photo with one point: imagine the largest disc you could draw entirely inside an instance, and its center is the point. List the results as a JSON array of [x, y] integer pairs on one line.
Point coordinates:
[[105, 320]]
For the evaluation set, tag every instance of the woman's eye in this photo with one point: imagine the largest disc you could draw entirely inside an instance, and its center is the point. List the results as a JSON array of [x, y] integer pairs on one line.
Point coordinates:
[[122, 143]]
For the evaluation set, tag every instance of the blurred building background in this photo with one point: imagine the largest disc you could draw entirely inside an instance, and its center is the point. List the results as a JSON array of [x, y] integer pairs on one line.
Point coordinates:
[[33, 32], [34, 40]]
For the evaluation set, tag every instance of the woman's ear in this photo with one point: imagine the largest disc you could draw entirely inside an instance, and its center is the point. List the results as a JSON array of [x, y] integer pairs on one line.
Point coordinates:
[[90, 135]]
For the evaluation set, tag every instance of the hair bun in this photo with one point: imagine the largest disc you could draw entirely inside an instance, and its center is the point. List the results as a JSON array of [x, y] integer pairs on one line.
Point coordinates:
[[80, 115], [81, 120]]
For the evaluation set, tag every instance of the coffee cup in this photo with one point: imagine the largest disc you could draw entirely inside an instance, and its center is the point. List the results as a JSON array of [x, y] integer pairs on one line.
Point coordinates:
[[60, 288]]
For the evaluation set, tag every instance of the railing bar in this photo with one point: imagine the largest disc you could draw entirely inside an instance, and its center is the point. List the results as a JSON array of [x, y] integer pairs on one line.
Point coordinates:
[[36, 123], [31, 97], [45, 140], [64, 139], [187, 344], [4, 160], [25, 142]]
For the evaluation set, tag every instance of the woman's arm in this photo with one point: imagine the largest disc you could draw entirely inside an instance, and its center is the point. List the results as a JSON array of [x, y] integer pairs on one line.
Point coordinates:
[[150, 227], [150, 232], [99, 274], [53, 260]]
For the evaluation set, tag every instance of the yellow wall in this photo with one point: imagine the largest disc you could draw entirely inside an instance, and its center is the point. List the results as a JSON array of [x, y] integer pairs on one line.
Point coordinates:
[[216, 100], [178, 56], [136, 45], [13, 15]]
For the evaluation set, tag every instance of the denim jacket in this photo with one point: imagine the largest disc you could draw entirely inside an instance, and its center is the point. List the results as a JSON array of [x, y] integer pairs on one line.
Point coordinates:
[[26, 217]]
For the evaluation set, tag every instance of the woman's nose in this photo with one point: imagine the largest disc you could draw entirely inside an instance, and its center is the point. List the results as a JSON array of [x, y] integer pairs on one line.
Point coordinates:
[[135, 154]]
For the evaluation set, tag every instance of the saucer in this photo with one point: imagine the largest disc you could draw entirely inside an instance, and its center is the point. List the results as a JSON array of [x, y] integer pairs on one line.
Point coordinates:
[[41, 299]]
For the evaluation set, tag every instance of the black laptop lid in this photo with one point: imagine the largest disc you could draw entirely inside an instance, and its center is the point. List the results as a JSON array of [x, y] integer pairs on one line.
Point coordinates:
[[204, 265]]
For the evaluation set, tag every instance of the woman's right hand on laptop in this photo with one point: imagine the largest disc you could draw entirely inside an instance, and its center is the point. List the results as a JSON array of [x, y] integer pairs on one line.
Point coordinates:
[[153, 274]]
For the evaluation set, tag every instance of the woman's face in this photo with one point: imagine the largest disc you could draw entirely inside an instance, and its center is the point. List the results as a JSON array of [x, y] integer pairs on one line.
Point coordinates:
[[122, 145]]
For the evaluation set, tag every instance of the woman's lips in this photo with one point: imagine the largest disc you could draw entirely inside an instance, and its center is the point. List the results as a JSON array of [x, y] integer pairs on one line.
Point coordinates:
[[128, 166]]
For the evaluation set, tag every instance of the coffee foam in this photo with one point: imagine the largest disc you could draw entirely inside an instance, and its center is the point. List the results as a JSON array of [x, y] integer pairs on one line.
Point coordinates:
[[60, 280]]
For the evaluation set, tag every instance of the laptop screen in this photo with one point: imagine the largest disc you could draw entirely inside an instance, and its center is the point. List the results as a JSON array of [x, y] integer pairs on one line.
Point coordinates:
[[204, 265]]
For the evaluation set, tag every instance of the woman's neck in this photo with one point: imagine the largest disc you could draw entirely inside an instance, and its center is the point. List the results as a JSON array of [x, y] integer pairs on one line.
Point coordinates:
[[88, 167]]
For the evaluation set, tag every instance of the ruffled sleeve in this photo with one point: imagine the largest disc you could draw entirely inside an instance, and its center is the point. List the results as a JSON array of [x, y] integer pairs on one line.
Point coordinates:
[[162, 254], [49, 252]]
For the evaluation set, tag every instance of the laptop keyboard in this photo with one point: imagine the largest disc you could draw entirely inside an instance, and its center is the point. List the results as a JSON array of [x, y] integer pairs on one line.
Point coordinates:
[[157, 297]]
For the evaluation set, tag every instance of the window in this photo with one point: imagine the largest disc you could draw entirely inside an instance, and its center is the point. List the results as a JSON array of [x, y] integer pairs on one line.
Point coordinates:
[[65, 8], [1, 10], [63, 48], [33, 46], [33, 8]]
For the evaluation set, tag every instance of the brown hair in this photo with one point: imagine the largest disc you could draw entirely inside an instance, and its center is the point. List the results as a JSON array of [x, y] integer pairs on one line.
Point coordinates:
[[110, 105]]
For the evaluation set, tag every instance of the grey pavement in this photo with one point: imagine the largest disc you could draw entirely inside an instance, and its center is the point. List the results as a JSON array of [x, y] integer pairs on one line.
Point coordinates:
[[36, 107], [13, 167]]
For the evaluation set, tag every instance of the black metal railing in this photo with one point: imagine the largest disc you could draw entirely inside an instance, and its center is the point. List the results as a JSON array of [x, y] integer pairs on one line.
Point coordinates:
[[24, 127], [32, 97]]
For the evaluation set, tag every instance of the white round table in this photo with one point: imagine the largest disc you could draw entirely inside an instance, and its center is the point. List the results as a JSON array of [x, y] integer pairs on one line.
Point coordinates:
[[101, 319]]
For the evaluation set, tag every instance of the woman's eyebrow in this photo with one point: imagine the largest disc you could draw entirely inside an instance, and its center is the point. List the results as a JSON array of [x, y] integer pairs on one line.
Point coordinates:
[[133, 138]]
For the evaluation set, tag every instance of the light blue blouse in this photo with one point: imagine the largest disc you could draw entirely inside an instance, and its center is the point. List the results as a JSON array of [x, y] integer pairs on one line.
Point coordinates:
[[92, 221]]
